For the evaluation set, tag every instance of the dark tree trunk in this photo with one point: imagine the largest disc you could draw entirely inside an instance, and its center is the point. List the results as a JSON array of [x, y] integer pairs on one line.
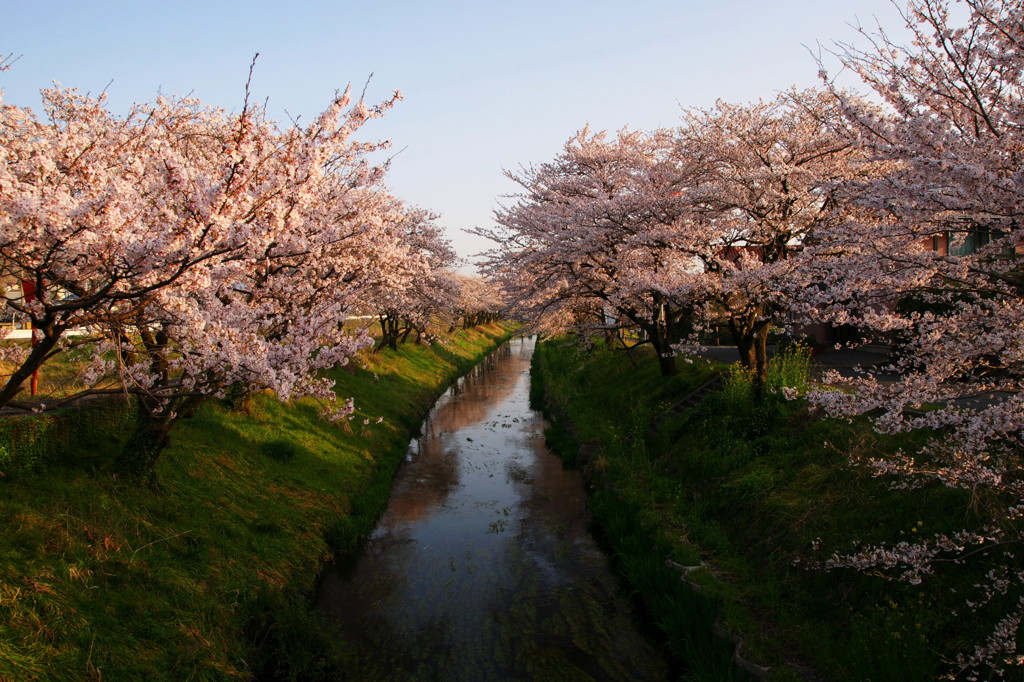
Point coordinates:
[[33, 362], [752, 343], [744, 344], [667, 365], [389, 332], [666, 359], [152, 434], [760, 361], [143, 448], [405, 332]]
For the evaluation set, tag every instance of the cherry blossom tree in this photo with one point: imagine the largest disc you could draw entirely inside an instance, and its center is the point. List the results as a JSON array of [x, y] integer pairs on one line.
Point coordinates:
[[666, 230], [940, 234], [587, 245], [73, 193], [420, 288], [199, 249], [480, 301], [759, 178]]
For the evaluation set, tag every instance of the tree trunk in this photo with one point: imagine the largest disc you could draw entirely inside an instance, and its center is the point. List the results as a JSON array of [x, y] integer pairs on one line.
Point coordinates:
[[33, 362], [666, 359], [389, 331], [760, 361], [750, 346], [140, 453], [667, 365], [152, 434], [747, 350]]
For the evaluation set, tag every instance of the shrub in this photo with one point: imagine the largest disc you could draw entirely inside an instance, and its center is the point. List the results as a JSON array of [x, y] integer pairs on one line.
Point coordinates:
[[790, 367], [279, 450], [88, 431]]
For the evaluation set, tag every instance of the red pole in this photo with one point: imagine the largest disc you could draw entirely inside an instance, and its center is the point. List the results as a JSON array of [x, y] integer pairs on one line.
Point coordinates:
[[28, 290]]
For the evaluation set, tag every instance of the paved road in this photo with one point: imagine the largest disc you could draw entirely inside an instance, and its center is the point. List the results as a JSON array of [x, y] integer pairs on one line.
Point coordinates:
[[845, 361]]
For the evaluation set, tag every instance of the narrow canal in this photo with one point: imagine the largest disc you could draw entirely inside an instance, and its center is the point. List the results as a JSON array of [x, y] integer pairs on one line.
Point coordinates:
[[482, 567]]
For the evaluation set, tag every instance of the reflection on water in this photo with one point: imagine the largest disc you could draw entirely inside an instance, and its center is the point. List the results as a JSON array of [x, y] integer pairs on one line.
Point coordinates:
[[482, 568]]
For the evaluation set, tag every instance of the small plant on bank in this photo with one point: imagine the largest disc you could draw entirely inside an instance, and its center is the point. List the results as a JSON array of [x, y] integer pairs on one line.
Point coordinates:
[[737, 384], [789, 372], [279, 450], [790, 368]]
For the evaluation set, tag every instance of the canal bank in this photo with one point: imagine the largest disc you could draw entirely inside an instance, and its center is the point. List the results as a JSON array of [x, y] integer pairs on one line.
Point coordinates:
[[758, 495], [686, 616], [208, 574]]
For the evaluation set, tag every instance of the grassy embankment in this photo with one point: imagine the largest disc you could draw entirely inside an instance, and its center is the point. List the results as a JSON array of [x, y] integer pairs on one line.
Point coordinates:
[[208, 575], [749, 490]]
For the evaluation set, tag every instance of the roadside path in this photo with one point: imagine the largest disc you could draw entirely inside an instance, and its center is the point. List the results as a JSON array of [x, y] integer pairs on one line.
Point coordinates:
[[845, 360], [849, 363]]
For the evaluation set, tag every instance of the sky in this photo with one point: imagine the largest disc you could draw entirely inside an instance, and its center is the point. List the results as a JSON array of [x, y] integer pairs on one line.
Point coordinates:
[[488, 86]]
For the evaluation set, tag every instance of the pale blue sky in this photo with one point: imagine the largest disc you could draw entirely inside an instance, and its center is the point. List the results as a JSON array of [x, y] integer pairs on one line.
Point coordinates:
[[487, 85]]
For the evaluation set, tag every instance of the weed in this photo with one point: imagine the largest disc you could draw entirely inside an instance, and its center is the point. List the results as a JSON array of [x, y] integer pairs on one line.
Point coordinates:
[[279, 449]]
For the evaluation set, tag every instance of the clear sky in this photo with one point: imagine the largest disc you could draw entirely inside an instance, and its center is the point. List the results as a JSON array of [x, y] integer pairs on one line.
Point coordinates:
[[488, 85]]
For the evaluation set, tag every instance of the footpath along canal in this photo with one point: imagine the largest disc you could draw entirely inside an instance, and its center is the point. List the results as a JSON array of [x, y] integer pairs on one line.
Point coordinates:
[[482, 567]]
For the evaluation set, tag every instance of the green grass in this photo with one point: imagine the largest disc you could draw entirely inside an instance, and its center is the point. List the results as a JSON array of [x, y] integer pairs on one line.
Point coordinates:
[[207, 576], [602, 396], [750, 488]]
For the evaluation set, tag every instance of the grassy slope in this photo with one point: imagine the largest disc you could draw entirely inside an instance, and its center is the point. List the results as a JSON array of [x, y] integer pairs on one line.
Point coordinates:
[[747, 489], [100, 579]]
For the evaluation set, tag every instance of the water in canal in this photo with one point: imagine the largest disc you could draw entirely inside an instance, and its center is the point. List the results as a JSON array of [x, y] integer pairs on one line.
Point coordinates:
[[482, 567]]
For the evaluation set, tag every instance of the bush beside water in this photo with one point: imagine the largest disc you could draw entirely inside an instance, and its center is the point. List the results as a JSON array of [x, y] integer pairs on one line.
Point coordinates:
[[87, 432]]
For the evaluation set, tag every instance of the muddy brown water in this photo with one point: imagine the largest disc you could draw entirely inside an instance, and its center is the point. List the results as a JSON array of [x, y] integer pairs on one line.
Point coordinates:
[[482, 567]]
